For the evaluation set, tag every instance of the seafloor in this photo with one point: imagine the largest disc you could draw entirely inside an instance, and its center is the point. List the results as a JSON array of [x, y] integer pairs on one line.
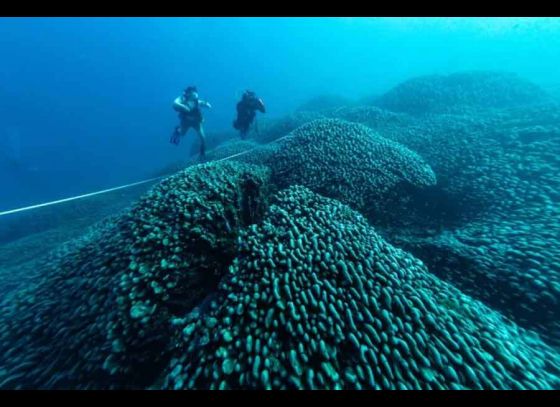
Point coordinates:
[[407, 241]]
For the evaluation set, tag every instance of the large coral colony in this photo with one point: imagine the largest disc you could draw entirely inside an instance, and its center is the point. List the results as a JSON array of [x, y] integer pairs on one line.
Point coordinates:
[[407, 243]]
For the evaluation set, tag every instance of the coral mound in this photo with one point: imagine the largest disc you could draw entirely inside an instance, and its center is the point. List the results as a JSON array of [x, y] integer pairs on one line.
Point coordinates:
[[98, 316], [508, 262], [316, 299], [462, 91], [349, 162]]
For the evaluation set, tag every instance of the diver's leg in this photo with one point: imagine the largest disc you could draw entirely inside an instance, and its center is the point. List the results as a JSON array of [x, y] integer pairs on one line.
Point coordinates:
[[245, 127], [179, 131], [202, 137], [176, 135]]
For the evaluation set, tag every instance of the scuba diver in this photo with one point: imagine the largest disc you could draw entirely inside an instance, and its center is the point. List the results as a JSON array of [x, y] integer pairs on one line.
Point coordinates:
[[246, 112], [188, 105]]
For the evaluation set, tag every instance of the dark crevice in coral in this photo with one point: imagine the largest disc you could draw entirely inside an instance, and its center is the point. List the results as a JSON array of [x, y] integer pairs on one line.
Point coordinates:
[[204, 280], [253, 200]]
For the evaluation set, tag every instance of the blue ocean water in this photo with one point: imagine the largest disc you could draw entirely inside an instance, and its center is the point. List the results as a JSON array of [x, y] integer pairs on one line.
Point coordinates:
[[85, 103], [392, 221]]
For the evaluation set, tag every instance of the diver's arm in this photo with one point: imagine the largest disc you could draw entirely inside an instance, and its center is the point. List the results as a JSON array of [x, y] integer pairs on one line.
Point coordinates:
[[205, 104], [260, 106], [177, 105]]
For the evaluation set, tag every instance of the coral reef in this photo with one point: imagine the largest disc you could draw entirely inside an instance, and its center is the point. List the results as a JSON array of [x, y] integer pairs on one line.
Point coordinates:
[[97, 315], [498, 189], [184, 233], [323, 255], [317, 299], [348, 162], [52, 331], [461, 92], [497, 174], [508, 262]]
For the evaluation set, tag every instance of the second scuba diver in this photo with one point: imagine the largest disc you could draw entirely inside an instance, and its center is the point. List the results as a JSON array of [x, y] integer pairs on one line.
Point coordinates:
[[246, 112]]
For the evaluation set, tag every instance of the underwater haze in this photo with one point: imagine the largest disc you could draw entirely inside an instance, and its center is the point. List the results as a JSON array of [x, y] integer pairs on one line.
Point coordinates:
[[85, 103], [389, 220]]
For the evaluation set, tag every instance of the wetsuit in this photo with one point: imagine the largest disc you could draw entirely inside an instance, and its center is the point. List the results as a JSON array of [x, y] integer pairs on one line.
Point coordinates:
[[246, 112], [190, 116]]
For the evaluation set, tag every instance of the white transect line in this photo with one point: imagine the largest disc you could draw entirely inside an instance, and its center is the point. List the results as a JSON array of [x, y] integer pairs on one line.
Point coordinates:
[[232, 156], [28, 208]]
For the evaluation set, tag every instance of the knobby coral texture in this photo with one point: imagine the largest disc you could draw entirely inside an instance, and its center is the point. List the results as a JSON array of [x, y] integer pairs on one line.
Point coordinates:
[[317, 299], [409, 241]]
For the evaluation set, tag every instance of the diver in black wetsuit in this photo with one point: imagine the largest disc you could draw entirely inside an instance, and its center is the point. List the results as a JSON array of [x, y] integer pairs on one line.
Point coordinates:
[[246, 112], [188, 105]]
